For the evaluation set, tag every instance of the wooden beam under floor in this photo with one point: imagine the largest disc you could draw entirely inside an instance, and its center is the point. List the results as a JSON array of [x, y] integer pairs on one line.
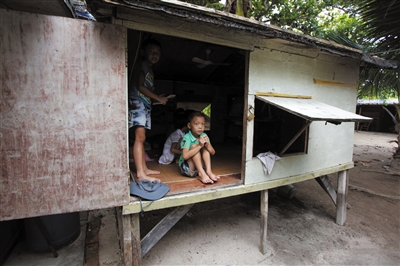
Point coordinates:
[[324, 182], [163, 227]]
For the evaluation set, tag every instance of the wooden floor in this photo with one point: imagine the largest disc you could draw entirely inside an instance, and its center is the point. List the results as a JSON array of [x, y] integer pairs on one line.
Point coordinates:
[[226, 163]]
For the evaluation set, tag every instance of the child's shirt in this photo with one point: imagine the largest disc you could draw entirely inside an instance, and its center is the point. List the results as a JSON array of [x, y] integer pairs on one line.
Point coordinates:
[[168, 156], [187, 142], [134, 93]]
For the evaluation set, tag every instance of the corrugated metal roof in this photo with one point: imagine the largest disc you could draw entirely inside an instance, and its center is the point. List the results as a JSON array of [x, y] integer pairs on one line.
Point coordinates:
[[377, 102], [182, 10]]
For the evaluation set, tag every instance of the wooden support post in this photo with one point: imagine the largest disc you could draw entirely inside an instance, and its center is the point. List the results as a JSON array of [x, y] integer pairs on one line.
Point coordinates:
[[131, 239], [163, 227], [324, 182], [341, 202], [264, 221]]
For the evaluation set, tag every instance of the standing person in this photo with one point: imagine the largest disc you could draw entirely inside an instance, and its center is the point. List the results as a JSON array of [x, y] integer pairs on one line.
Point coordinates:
[[172, 150], [140, 96], [196, 148]]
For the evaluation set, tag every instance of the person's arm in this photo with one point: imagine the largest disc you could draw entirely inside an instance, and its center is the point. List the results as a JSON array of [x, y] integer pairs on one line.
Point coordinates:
[[175, 148], [210, 148], [189, 153], [147, 92], [206, 143]]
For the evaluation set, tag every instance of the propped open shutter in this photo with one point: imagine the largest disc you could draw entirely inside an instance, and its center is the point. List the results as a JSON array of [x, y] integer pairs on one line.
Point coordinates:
[[313, 110]]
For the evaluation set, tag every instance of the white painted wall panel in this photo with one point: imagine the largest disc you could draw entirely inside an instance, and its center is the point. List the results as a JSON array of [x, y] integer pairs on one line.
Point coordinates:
[[280, 72]]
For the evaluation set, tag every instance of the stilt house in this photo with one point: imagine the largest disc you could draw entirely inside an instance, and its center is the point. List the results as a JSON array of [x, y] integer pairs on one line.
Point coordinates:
[[63, 123]]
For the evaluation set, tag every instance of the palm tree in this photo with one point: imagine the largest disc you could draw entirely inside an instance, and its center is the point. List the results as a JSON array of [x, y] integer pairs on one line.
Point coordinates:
[[238, 7], [382, 20]]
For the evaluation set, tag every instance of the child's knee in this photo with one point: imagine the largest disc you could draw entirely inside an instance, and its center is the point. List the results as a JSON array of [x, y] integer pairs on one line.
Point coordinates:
[[140, 139], [205, 154], [194, 146], [140, 135]]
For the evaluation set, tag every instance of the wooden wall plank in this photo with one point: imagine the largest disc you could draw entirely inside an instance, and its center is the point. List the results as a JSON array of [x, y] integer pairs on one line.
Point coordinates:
[[194, 30], [63, 115]]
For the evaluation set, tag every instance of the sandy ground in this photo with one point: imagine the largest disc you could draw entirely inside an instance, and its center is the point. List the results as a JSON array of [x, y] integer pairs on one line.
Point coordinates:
[[301, 230]]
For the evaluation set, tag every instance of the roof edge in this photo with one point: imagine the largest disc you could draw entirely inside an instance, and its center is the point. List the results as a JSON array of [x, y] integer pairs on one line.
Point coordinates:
[[378, 61], [208, 15]]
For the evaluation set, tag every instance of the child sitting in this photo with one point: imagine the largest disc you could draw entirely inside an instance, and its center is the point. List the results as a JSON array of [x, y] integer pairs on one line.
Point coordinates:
[[171, 150], [195, 159]]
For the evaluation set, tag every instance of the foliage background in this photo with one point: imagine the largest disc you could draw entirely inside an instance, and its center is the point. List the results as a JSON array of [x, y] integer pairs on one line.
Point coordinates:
[[369, 25]]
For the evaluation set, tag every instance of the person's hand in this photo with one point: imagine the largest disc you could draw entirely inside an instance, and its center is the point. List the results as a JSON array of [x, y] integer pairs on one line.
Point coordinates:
[[163, 100], [204, 140]]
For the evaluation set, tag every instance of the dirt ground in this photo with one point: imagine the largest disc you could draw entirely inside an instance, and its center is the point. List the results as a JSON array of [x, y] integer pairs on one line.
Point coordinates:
[[301, 230]]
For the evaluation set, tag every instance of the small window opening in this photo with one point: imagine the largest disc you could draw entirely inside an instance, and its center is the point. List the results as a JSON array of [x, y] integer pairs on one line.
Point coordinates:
[[275, 128]]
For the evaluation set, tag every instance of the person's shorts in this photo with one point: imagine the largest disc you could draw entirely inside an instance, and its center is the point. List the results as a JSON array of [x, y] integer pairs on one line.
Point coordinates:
[[186, 171], [139, 115]]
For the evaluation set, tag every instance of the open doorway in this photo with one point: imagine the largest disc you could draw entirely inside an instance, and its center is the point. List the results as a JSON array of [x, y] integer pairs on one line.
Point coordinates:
[[203, 77]]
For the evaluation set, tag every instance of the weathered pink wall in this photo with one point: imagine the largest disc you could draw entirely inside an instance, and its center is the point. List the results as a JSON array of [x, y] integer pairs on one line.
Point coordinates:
[[63, 129]]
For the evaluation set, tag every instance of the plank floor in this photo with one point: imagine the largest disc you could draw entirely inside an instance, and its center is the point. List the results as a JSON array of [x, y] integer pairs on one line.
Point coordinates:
[[226, 163]]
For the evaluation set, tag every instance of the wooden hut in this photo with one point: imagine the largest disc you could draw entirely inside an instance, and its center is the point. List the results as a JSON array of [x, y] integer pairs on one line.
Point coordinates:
[[64, 136], [381, 121]]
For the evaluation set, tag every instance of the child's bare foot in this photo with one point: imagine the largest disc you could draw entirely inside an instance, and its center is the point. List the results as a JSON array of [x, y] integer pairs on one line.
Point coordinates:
[[212, 176], [151, 172], [151, 179], [205, 179]]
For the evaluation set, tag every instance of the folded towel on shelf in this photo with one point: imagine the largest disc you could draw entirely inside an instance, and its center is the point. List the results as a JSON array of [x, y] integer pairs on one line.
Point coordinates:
[[268, 160]]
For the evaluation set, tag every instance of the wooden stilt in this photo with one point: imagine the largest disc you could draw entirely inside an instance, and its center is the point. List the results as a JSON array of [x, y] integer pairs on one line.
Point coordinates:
[[341, 202], [163, 227], [264, 219], [324, 182], [131, 239]]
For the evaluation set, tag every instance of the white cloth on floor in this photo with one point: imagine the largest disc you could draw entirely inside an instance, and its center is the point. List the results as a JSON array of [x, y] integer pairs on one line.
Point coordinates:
[[268, 160]]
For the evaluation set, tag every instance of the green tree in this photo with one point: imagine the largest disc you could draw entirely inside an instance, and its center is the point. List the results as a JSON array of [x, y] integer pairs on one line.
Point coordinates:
[[382, 19], [296, 15], [207, 3], [368, 25], [379, 20], [238, 7]]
